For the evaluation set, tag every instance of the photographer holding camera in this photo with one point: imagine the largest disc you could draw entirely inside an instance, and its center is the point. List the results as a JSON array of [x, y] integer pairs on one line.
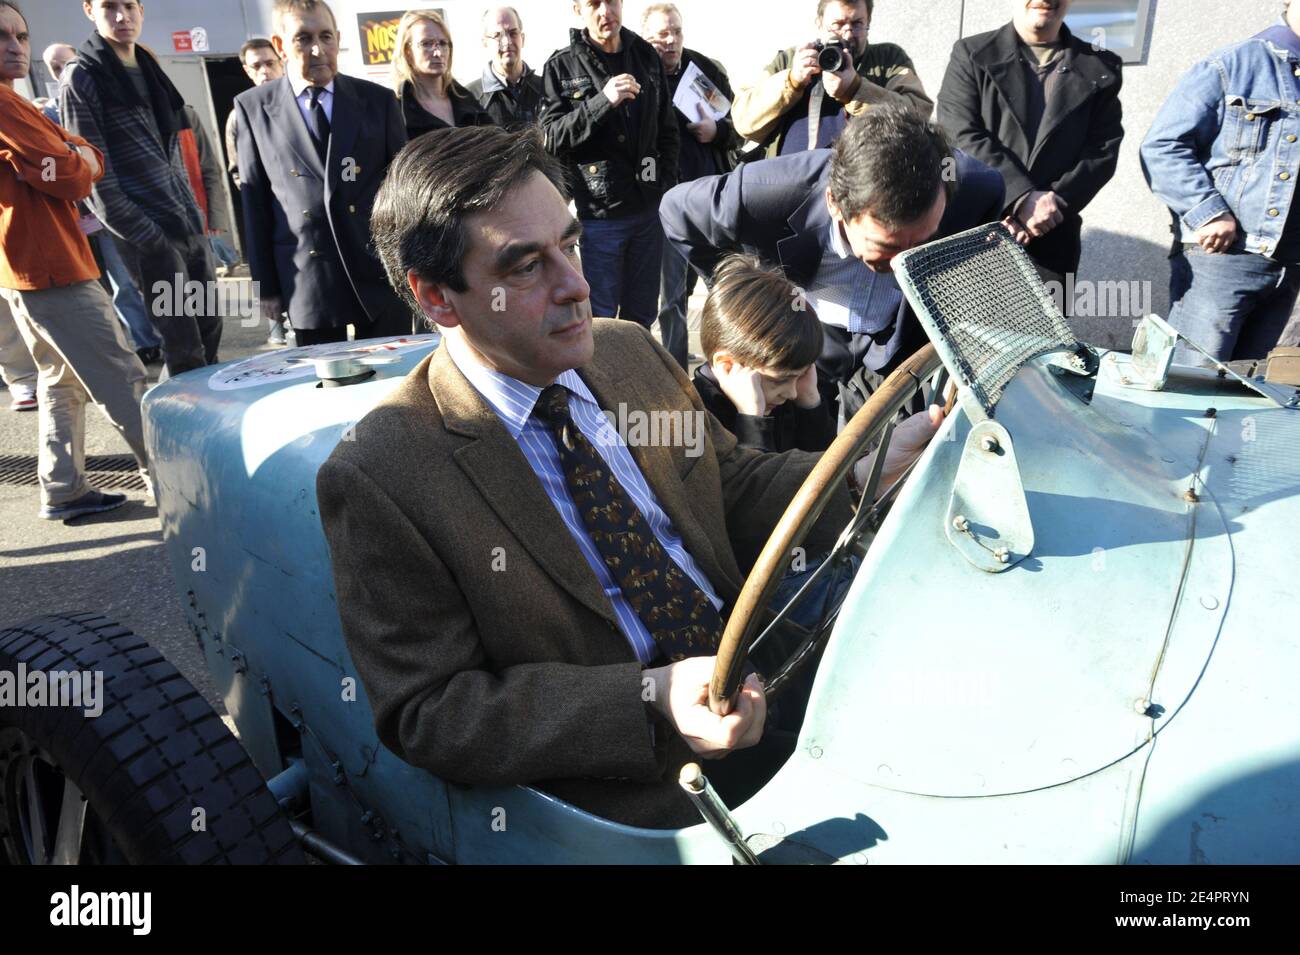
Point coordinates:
[[809, 92]]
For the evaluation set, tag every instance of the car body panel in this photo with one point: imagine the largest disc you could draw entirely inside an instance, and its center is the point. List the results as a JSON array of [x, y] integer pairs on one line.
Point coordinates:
[[957, 715]]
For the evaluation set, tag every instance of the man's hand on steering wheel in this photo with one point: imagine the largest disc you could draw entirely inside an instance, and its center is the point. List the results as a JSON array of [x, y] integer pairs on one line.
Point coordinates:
[[909, 440], [681, 695]]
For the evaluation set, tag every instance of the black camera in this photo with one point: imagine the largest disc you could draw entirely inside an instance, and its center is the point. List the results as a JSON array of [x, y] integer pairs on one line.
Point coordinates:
[[834, 55]]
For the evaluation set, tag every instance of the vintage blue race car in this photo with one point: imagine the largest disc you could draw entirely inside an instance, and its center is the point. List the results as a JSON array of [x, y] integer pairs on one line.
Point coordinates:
[[1073, 635]]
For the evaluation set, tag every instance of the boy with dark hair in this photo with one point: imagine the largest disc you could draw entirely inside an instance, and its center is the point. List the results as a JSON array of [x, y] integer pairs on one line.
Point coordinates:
[[761, 343]]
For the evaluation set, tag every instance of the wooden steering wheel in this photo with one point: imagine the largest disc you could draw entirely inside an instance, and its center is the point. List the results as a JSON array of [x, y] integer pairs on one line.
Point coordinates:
[[874, 421]]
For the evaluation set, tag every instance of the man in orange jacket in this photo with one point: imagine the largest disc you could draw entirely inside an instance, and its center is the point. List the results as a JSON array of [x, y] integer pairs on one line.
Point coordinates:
[[49, 278]]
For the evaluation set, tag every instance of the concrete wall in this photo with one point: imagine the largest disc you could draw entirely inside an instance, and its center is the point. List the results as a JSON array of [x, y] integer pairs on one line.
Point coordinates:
[[1126, 235], [227, 22]]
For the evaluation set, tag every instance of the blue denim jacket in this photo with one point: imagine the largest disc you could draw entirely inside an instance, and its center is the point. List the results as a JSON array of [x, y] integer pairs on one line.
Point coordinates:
[[1226, 141]]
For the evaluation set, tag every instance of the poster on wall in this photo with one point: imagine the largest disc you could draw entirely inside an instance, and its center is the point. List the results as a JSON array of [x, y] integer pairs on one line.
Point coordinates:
[[377, 33], [191, 41]]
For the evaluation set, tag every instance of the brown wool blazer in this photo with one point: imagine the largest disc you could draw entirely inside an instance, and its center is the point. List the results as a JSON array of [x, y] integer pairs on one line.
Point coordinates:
[[521, 675]]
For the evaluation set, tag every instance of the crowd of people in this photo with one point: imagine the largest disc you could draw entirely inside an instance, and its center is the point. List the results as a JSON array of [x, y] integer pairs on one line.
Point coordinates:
[[507, 214], [1029, 116]]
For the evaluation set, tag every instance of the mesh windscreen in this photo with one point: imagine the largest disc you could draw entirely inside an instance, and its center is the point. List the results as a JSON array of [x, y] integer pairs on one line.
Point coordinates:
[[984, 307]]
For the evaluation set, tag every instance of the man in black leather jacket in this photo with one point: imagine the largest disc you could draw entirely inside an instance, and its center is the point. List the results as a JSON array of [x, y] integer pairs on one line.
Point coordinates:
[[609, 117]]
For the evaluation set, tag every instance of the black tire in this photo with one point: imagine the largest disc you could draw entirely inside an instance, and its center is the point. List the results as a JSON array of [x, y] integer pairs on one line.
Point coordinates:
[[155, 754]]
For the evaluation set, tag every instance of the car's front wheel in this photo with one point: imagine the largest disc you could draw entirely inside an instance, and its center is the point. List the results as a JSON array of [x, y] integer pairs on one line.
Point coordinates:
[[108, 755]]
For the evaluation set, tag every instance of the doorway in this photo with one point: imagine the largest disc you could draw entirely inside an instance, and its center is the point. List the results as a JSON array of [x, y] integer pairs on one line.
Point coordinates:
[[226, 80]]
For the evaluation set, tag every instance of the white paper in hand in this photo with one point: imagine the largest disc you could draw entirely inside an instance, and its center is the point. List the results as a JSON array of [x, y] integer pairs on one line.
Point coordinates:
[[698, 98]]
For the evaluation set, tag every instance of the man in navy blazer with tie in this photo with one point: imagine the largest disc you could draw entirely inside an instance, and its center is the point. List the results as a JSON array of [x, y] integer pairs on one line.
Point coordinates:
[[313, 149], [834, 219]]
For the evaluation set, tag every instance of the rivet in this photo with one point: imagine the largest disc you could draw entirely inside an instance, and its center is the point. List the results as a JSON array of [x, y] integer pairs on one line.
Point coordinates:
[[1141, 706], [1211, 412], [1003, 555], [960, 523], [990, 443], [1191, 497], [815, 752]]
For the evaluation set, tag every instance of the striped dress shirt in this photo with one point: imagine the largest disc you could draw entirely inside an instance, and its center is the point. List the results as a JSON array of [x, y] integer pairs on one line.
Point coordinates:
[[513, 402], [847, 294]]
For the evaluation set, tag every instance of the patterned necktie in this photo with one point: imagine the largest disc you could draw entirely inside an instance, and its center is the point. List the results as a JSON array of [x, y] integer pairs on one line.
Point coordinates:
[[679, 616], [320, 123]]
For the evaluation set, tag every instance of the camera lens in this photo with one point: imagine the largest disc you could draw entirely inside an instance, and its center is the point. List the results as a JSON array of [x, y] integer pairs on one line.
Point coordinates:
[[831, 59]]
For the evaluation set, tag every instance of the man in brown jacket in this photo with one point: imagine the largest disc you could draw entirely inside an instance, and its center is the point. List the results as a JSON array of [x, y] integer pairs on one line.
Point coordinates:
[[490, 613], [796, 96]]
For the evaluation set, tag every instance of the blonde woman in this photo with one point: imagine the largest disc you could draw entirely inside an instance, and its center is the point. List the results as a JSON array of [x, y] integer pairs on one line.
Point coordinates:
[[431, 99]]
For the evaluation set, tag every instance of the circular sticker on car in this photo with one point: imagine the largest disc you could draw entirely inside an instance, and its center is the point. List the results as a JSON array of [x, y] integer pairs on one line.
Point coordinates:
[[287, 364]]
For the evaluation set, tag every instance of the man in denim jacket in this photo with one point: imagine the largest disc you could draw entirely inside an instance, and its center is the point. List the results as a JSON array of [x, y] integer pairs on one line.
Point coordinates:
[[1223, 155]]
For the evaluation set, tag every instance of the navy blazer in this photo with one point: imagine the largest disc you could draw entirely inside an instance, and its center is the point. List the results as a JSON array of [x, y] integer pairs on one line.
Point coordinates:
[[776, 208], [307, 233]]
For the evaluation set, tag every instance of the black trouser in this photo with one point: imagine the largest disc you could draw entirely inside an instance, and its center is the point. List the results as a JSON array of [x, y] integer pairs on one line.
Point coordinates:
[[190, 336], [320, 336], [395, 320], [1056, 255], [840, 360], [844, 379], [676, 282]]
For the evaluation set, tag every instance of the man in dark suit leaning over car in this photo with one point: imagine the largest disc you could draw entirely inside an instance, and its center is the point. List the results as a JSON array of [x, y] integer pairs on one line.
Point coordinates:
[[833, 220], [313, 147], [530, 609]]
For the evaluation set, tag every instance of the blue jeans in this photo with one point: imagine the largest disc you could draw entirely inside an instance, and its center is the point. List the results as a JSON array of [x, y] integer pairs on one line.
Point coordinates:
[[128, 303], [833, 585], [1235, 305], [222, 252], [676, 280], [621, 260]]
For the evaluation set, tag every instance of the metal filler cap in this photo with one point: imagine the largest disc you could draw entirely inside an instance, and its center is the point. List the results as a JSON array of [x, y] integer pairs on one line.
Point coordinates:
[[344, 367]]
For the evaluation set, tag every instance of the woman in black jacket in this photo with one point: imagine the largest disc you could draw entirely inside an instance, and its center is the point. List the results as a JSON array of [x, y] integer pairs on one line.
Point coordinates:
[[430, 97]]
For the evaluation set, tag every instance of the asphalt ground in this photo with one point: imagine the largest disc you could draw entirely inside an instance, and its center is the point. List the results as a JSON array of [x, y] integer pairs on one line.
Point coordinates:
[[112, 563]]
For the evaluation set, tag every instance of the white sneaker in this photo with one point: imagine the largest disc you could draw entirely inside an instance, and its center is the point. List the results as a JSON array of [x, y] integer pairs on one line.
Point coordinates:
[[23, 398]]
